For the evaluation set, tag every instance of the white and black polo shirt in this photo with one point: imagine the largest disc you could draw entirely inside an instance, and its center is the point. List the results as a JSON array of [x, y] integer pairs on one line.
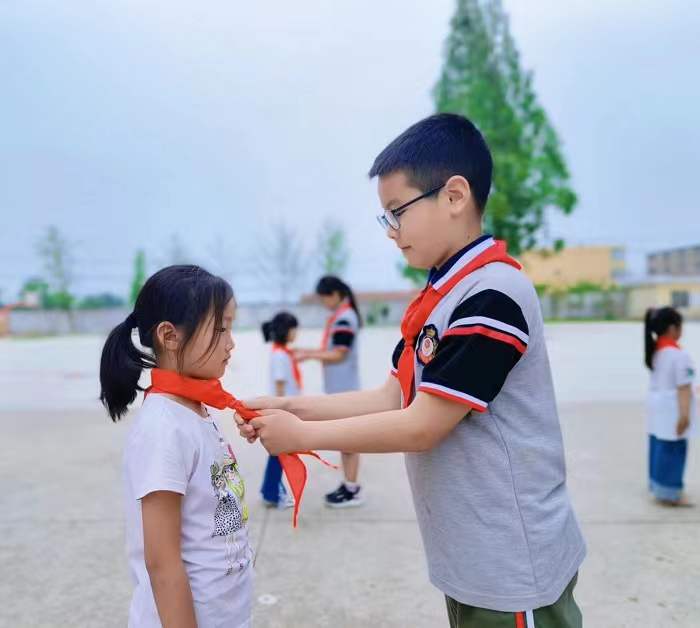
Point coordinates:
[[344, 375], [491, 499]]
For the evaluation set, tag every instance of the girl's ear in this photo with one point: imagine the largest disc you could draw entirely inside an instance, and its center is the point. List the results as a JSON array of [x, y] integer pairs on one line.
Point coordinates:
[[167, 337]]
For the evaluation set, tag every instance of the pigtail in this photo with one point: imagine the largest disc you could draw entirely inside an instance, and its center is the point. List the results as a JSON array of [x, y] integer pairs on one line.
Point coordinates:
[[121, 366]]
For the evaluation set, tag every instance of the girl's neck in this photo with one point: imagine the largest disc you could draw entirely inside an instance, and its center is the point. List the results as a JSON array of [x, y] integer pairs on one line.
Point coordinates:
[[195, 406]]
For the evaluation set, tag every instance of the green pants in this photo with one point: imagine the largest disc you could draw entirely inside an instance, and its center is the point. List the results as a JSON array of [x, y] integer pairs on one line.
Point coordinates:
[[564, 613]]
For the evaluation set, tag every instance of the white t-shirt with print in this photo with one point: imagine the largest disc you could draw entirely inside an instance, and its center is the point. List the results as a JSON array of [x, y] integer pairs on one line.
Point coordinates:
[[672, 368], [281, 370], [172, 448]]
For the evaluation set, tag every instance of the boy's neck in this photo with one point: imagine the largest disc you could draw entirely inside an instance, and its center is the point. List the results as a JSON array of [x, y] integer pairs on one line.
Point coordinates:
[[458, 246]]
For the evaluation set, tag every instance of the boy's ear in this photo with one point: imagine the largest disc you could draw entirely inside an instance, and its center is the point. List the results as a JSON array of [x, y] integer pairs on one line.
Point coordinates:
[[167, 336], [458, 191]]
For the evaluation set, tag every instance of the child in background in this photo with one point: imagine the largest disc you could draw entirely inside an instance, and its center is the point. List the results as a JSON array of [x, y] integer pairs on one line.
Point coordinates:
[[671, 404], [186, 518], [285, 380], [339, 356]]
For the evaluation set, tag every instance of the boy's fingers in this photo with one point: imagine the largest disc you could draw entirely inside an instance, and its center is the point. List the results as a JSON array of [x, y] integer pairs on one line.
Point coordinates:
[[259, 403], [269, 412]]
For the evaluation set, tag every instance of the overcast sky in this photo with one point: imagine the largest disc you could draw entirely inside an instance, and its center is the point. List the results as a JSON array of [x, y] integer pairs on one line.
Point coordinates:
[[126, 122]]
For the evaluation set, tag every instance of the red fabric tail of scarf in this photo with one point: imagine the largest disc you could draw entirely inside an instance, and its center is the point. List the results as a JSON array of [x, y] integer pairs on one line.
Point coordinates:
[[211, 393]]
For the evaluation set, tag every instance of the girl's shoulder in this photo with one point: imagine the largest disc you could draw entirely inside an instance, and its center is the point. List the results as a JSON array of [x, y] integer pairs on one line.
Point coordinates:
[[348, 318], [671, 357], [279, 355], [159, 413]]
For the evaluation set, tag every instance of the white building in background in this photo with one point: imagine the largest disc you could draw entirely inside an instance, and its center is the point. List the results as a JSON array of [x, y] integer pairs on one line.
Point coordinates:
[[678, 262]]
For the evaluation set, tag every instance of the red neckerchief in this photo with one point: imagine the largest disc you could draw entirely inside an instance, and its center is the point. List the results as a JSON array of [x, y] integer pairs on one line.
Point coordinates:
[[296, 371], [420, 308], [342, 308], [664, 343], [211, 393]]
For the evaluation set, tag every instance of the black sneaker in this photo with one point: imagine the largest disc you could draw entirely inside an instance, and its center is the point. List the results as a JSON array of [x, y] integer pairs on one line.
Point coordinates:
[[342, 497]]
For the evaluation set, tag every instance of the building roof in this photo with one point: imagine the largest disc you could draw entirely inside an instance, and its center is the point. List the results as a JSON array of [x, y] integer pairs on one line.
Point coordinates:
[[659, 280], [380, 296]]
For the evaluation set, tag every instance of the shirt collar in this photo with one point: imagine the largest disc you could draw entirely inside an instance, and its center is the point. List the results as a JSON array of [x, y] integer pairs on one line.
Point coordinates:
[[438, 276]]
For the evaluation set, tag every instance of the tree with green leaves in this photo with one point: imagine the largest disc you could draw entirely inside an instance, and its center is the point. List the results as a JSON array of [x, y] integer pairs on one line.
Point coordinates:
[[34, 292], [57, 258], [482, 79], [333, 253], [139, 276]]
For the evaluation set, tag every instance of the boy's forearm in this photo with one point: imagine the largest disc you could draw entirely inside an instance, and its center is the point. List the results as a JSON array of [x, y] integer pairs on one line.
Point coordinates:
[[383, 432], [342, 405], [421, 426], [173, 595], [332, 356]]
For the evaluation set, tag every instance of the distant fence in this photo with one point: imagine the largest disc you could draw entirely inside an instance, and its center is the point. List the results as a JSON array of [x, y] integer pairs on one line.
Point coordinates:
[[55, 322], [591, 305], [587, 305]]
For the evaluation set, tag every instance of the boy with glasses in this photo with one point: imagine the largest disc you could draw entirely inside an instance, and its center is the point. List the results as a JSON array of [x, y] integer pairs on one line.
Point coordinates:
[[470, 398]]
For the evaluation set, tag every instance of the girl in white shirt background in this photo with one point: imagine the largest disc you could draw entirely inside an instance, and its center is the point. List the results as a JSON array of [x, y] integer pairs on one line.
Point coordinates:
[[285, 381], [671, 404]]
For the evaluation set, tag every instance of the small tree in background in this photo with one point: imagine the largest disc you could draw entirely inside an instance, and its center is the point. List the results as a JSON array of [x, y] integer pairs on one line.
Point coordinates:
[[176, 252], [139, 276], [282, 261], [333, 252], [57, 259]]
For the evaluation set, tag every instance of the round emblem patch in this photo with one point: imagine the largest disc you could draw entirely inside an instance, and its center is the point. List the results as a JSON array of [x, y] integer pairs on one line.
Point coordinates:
[[427, 344]]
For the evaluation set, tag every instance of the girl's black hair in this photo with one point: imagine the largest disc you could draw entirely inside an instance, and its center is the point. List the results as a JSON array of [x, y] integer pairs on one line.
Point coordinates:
[[277, 330], [182, 295], [656, 323], [330, 283]]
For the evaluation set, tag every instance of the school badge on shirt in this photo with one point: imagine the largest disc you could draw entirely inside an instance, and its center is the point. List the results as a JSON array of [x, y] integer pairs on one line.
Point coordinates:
[[427, 344]]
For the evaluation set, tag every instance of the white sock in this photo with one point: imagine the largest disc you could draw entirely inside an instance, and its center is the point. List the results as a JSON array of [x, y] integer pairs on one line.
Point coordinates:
[[351, 486]]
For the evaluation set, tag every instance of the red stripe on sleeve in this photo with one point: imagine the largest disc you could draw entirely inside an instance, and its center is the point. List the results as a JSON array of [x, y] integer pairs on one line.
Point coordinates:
[[490, 333]]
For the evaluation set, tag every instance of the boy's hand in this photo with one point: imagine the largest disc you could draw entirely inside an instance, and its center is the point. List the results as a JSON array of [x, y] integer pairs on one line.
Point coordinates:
[[682, 425], [280, 432], [301, 355], [245, 429]]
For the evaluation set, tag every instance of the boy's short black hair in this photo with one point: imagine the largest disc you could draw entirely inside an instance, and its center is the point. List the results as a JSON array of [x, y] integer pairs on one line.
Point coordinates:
[[437, 148]]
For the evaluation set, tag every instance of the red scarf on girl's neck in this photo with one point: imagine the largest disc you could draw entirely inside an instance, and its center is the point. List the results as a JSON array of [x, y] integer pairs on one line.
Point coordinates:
[[328, 330], [296, 371], [211, 393], [665, 342]]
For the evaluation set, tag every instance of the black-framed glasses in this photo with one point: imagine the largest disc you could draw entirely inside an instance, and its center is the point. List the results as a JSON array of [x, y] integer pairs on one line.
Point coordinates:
[[390, 218]]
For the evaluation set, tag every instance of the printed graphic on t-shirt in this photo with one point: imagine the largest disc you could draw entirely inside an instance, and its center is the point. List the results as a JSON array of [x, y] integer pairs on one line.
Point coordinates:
[[231, 512]]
